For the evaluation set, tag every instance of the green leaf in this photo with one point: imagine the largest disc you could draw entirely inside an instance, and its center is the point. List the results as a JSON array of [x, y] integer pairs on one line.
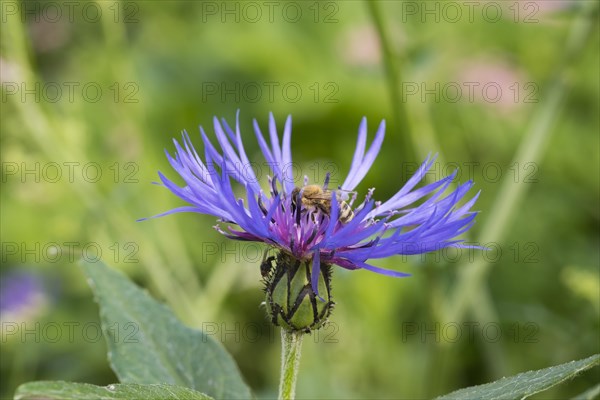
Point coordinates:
[[148, 344], [84, 391], [525, 384]]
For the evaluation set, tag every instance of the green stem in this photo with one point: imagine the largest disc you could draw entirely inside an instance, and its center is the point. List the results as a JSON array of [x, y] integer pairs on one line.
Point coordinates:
[[291, 346], [394, 78]]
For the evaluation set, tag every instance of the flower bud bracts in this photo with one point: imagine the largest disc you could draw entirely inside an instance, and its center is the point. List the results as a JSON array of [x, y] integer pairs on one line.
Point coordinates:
[[290, 299]]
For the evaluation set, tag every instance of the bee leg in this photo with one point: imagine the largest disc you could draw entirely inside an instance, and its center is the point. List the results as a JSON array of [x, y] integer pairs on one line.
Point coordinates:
[[267, 265], [322, 208]]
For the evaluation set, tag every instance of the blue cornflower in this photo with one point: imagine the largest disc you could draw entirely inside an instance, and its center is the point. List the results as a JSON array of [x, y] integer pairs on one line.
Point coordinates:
[[323, 230], [376, 230], [22, 296]]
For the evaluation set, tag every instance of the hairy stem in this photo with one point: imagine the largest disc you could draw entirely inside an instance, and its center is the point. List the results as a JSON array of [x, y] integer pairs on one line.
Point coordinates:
[[291, 346]]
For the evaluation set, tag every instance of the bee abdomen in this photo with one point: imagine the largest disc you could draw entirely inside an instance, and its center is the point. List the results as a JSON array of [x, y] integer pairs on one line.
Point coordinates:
[[346, 213]]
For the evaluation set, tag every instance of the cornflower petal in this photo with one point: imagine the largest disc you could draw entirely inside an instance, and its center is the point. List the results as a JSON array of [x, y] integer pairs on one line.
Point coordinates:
[[358, 170], [286, 156], [382, 271]]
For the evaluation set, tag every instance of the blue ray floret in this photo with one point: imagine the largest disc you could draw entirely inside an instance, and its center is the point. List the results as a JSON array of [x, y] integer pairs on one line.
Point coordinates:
[[413, 221]]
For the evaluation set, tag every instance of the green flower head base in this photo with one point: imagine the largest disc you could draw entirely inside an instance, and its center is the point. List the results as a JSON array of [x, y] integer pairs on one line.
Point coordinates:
[[311, 225], [291, 301]]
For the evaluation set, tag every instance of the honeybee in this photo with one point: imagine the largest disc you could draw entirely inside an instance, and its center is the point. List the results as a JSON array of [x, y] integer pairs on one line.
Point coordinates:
[[316, 198]]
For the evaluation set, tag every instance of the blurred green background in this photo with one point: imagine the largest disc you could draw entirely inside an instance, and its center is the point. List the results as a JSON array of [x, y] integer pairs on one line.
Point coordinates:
[[92, 92]]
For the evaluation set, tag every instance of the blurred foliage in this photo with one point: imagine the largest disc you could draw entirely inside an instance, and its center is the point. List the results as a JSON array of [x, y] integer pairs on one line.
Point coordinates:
[[167, 66]]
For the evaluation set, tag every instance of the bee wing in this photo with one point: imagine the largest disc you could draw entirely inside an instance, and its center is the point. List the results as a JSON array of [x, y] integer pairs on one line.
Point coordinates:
[[344, 194], [327, 196], [320, 196]]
